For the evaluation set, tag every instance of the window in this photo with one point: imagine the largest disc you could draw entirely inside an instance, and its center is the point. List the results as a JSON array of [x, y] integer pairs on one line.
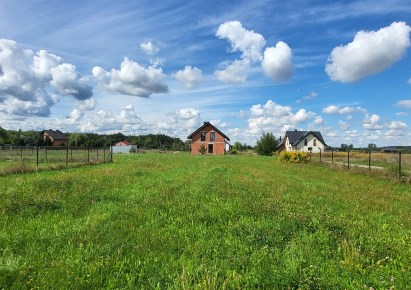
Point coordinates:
[[315, 142], [212, 136], [202, 136], [305, 142], [210, 148]]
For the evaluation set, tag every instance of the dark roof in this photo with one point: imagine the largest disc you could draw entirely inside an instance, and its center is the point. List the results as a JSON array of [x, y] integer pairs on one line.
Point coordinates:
[[205, 125], [56, 135], [296, 137]]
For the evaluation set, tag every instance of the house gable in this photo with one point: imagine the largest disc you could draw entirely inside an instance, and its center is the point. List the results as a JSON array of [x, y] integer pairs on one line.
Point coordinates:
[[210, 137], [57, 137], [304, 141]]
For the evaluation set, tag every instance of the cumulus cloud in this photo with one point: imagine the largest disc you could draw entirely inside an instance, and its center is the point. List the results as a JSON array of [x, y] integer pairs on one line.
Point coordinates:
[[332, 109], [190, 76], [370, 52], [149, 48], [273, 117], [319, 120], [248, 42], [233, 72], [404, 104], [277, 62], [131, 79], [67, 81], [26, 76], [372, 122], [397, 125]]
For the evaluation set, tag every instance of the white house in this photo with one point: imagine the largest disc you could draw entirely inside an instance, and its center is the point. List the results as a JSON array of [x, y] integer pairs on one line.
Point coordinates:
[[304, 141]]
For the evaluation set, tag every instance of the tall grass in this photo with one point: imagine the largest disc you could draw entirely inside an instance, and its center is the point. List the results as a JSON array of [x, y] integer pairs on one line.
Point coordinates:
[[182, 221]]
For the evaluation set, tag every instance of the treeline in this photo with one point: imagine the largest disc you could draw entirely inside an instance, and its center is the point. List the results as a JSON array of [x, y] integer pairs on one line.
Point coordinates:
[[151, 141]]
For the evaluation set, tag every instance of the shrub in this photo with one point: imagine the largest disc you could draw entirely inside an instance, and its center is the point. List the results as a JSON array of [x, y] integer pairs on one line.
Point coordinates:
[[266, 145], [202, 150], [294, 157]]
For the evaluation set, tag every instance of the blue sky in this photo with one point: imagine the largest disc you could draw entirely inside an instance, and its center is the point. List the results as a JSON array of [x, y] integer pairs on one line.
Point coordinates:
[[140, 67]]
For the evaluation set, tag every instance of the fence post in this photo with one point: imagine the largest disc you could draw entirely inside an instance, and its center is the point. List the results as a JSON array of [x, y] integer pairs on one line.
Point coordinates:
[[111, 153], [348, 151], [320, 154], [332, 155], [47, 160], [369, 160], [399, 163], [37, 159], [67, 156], [88, 155]]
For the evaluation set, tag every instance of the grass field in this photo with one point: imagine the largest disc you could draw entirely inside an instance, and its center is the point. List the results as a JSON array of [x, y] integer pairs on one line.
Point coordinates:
[[182, 222]]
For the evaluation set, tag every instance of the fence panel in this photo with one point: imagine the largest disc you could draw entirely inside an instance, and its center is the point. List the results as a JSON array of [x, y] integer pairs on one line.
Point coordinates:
[[48, 156]]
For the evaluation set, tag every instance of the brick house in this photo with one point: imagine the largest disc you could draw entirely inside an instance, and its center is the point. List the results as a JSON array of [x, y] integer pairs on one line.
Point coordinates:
[[213, 140], [57, 138]]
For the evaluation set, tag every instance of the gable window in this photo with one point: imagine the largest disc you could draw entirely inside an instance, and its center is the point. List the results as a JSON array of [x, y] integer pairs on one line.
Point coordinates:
[[315, 142], [212, 136], [305, 142], [202, 136]]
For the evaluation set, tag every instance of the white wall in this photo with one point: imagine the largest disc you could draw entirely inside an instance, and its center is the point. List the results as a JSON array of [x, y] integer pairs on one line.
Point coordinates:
[[310, 143]]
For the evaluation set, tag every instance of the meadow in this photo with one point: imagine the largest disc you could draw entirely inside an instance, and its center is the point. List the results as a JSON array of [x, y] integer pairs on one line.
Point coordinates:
[[185, 222]]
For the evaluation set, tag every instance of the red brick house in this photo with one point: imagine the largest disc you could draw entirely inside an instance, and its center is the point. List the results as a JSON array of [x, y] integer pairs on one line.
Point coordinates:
[[214, 141]]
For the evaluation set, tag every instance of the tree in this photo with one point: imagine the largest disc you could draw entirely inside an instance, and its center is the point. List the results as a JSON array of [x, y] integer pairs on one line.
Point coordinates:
[[237, 146], [266, 145], [77, 139]]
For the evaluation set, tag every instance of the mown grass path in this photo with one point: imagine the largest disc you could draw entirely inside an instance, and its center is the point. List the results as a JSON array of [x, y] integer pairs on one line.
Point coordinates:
[[181, 221]]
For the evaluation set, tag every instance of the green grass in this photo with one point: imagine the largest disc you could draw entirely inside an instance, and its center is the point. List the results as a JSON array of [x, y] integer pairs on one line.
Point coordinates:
[[180, 221]]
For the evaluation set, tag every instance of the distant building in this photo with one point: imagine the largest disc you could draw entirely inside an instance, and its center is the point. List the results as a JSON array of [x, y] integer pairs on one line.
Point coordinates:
[[57, 138], [214, 141], [305, 141], [389, 150], [123, 143]]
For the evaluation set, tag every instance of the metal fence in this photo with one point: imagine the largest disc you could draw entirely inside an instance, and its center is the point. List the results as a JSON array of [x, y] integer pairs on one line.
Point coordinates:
[[396, 162], [51, 156]]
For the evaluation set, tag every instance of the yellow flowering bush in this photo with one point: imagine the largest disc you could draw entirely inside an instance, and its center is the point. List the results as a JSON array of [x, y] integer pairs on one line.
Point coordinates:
[[294, 157]]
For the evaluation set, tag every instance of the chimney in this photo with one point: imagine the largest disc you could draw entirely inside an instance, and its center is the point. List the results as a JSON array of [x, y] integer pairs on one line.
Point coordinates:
[[205, 123], [295, 130]]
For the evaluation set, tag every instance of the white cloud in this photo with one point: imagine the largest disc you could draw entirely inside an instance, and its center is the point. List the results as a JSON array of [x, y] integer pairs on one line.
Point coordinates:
[[190, 76], [310, 96], [132, 79], [277, 62], [273, 117], [149, 48], [404, 104], [233, 73], [187, 113], [248, 42], [397, 125], [343, 125], [25, 79], [369, 53], [319, 120], [218, 123], [332, 109], [67, 81], [372, 122]]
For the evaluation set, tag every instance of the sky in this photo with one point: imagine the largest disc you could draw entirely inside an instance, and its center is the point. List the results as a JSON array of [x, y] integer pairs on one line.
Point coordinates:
[[249, 67]]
